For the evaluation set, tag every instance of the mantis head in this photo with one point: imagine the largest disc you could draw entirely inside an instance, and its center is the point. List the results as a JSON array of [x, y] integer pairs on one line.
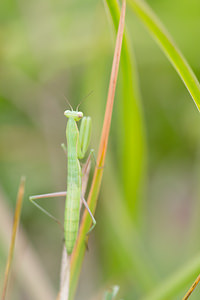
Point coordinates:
[[76, 115]]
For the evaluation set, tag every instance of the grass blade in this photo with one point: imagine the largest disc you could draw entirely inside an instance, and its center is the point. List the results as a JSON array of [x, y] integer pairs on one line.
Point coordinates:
[[132, 135], [192, 288], [132, 138], [36, 282], [166, 43], [14, 231], [78, 253]]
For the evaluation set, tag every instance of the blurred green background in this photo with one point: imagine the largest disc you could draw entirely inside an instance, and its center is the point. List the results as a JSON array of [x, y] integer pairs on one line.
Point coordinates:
[[51, 49]]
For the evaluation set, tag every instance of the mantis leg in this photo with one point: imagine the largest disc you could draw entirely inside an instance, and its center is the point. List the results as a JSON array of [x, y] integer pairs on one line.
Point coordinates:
[[91, 215], [92, 154], [50, 195], [58, 194]]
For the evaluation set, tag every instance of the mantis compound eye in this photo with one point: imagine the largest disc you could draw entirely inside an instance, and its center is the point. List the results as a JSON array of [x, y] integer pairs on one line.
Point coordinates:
[[80, 114]]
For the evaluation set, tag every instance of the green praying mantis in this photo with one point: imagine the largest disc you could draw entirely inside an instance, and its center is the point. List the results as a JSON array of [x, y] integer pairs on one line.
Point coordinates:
[[77, 145]]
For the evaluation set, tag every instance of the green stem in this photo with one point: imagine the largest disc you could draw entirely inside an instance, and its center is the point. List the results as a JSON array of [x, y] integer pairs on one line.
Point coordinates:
[[157, 30]]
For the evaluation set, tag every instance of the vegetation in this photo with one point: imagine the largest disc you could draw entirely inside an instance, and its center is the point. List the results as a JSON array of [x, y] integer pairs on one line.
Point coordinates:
[[146, 237]]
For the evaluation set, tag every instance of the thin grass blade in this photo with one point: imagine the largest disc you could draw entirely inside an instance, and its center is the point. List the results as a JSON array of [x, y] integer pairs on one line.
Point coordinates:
[[14, 232], [192, 288]]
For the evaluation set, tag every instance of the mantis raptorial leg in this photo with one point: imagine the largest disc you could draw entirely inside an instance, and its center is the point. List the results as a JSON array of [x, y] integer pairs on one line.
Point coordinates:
[[77, 144]]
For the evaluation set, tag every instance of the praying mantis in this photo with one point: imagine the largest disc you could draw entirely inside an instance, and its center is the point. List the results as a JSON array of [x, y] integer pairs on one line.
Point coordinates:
[[77, 145]]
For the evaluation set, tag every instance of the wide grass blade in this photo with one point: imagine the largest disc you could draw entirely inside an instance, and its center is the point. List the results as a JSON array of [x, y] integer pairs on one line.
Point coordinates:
[[78, 253], [14, 232], [166, 43]]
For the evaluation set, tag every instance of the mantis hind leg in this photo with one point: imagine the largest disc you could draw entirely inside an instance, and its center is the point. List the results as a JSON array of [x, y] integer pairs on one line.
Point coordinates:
[[91, 215], [36, 197]]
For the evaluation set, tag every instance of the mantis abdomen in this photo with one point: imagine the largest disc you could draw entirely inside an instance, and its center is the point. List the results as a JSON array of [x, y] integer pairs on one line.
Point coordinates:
[[72, 208]]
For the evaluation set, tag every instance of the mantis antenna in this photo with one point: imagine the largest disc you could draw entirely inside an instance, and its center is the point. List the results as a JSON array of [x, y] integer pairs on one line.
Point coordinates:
[[67, 101], [84, 99]]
